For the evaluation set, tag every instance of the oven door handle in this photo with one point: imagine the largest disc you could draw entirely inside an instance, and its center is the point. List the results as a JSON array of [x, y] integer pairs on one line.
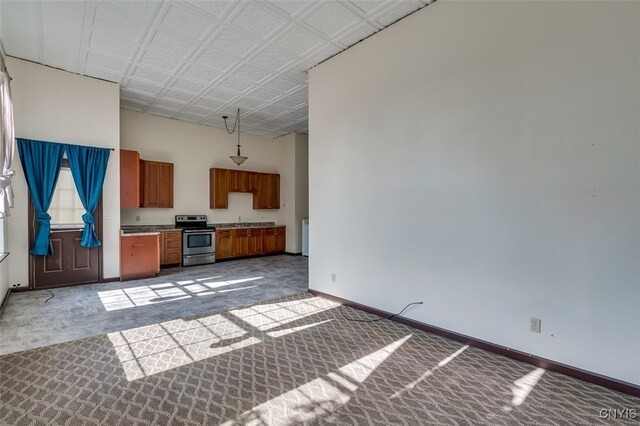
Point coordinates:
[[198, 232], [198, 255]]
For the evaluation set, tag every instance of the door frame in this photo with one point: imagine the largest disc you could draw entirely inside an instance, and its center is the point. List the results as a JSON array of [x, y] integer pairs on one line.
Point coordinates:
[[32, 232]]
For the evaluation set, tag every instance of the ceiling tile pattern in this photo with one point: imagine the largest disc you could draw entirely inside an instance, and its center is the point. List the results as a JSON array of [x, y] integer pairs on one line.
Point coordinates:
[[198, 60]]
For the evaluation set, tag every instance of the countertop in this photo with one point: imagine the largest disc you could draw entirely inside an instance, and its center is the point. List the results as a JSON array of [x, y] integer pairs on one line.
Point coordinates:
[[131, 230], [226, 226], [136, 229], [137, 234]]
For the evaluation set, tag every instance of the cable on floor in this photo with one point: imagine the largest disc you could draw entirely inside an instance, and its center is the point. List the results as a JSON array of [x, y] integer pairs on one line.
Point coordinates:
[[379, 318], [50, 297]]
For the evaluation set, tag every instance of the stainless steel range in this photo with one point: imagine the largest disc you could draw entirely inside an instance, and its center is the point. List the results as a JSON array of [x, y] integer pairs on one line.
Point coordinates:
[[198, 240]]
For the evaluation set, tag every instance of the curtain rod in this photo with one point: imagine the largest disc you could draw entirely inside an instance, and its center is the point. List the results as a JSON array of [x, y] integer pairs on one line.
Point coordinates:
[[74, 144]]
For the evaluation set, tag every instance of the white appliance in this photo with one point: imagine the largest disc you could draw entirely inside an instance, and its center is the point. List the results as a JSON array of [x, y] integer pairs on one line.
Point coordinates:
[[305, 237]]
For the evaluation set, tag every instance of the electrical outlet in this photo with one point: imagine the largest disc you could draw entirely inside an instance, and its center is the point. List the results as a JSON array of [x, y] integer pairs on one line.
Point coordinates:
[[137, 218], [333, 277], [535, 324]]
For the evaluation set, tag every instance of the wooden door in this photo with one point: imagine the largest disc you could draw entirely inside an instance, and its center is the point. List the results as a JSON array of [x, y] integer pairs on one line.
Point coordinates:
[[238, 181], [218, 189], [280, 242], [236, 178], [269, 241], [252, 181], [241, 243], [165, 185], [224, 244], [254, 241], [129, 179], [151, 177], [268, 191], [70, 263], [274, 191], [261, 197], [157, 178]]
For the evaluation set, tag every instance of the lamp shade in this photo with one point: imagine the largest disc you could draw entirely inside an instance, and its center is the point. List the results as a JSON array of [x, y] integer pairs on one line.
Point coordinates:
[[238, 159]]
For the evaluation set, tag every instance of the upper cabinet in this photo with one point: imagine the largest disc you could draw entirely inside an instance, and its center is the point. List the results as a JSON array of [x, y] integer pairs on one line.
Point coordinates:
[[264, 186], [219, 188], [268, 194], [157, 184], [129, 179], [144, 183]]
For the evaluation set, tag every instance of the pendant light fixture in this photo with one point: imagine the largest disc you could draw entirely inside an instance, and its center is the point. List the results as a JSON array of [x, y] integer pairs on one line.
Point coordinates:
[[238, 158]]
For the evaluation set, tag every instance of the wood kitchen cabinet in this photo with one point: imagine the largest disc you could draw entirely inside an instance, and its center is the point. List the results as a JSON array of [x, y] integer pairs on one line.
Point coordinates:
[[157, 184], [139, 256], [218, 188], [264, 186], [170, 247], [233, 243], [268, 194], [241, 181], [254, 241], [274, 240], [224, 244], [129, 179], [248, 242], [252, 181], [240, 242], [144, 183]]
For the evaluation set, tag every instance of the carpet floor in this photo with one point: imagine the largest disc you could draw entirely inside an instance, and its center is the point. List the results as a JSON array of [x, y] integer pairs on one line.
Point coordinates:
[[288, 361]]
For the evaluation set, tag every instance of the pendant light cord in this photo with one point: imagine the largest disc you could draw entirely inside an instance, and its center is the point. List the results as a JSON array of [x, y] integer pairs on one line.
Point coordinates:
[[238, 158], [236, 122]]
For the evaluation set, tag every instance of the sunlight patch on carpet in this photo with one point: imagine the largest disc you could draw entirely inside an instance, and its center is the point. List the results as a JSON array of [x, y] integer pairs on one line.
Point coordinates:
[[320, 397]]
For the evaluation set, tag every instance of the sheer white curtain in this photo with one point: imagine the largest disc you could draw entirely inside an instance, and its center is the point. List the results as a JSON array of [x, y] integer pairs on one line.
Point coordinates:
[[7, 142]]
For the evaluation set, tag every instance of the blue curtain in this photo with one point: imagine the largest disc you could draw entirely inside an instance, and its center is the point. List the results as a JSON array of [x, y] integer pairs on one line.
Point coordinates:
[[41, 162], [88, 166]]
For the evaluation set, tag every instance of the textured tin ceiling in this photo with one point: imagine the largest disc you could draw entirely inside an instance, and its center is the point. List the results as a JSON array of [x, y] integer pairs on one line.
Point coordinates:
[[198, 60]]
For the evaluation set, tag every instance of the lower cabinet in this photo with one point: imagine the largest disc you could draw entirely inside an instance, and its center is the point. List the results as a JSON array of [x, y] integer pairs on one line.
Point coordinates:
[[248, 242], [170, 247], [275, 240], [224, 245], [255, 238], [240, 242], [232, 243], [139, 256], [281, 239]]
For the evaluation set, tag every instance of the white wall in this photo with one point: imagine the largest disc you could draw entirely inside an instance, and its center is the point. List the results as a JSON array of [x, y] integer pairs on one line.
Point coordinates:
[[194, 149], [294, 186], [302, 187], [483, 157], [58, 106], [287, 154]]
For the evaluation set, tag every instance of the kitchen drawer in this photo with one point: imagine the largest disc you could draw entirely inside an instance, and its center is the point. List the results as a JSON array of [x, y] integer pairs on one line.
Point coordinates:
[[170, 247]]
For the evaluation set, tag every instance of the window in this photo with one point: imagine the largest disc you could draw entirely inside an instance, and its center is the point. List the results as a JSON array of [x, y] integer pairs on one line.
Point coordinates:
[[66, 207]]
